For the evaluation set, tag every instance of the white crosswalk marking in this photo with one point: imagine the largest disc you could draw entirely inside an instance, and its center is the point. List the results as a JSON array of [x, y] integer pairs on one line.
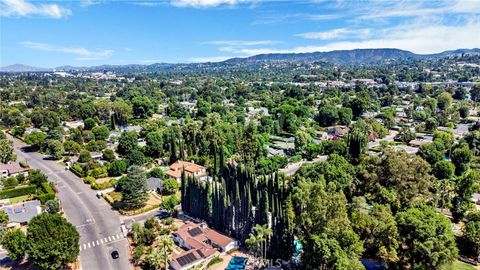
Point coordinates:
[[102, 241]]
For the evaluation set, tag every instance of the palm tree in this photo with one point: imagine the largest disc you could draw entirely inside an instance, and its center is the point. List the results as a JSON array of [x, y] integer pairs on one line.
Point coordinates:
[[154, 260], [257, 241], [167, 245]]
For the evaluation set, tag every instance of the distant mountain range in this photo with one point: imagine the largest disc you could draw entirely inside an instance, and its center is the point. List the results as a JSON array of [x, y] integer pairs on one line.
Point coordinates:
[[357, 56]]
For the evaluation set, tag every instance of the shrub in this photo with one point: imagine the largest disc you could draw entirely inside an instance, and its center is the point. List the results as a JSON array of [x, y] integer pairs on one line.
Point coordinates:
[[16, 192], [89, 180], [213, 261], [84, 156], [77, 169]]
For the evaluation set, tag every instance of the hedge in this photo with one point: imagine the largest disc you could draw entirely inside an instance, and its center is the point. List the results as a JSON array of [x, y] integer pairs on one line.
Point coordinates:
[[21, 191], [45, 197]]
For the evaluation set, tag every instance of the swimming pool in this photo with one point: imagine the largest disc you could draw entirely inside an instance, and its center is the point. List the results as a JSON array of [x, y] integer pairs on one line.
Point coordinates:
[[237, 263]]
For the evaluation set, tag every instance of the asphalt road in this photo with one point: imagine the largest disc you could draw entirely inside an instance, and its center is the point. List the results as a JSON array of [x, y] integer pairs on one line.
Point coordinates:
[[97, 223]]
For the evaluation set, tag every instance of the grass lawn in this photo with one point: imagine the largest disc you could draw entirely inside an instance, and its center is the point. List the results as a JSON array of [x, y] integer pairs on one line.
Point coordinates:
[[20, 198], [458, 265]]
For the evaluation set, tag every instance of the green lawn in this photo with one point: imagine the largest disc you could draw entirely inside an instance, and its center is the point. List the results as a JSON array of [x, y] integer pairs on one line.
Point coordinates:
[[458, 265], [20, 199]]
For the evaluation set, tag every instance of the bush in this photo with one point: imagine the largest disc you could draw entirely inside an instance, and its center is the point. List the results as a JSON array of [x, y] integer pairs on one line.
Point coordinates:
[[98, 172], [89, 180], [84, 156], [108, 155], [117, 168], [77, 170], [170, 203], [16, 192], [170, 186], [213, 261]]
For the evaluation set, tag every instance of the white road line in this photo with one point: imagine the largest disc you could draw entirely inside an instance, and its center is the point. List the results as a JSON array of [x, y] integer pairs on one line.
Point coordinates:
[[84, 246], [98, 242], [109, 239], [101, 241], [88, 245]]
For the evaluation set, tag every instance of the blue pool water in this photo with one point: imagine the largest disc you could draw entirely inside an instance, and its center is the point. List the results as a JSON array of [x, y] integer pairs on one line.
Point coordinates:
[[237, 263]]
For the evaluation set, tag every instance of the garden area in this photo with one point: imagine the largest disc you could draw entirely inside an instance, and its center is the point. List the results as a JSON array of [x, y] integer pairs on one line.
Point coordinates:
[[23, 188]]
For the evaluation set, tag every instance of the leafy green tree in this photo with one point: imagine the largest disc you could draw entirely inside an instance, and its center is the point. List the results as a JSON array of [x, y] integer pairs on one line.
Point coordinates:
[[142, 107], [84, 156], [6, 151], [471, 232], [3, 218], [52, 206], [101, 133], [378, 229], [461, 158], [154, 142], [431, 152], [444, 101], [327, 116], [426, 239], [55, 149], [156, 172], [135, 157], [127, 143], [36, 177], [431, 124], [475, 93], [170, 203], [108, 154], [134, 189], [170, 186], [117, 167], [71, 147], [328, 239], [89, 123], [15, 242], [464, 111], [443, 169], [302, 139], [154, 260], [36, 140], [345, 116], [52, 241]]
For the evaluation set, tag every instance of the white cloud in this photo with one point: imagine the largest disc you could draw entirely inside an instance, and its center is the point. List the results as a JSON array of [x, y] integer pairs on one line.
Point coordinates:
[[208, 3], [81, 53], [387, 9], [337, 34], [22, 8]]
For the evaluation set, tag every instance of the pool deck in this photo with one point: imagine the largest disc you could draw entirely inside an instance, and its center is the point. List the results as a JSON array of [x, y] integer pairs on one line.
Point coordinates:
[[226, 259]]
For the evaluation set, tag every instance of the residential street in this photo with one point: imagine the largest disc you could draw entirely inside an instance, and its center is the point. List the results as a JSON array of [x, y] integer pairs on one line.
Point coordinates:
[[98, 225]]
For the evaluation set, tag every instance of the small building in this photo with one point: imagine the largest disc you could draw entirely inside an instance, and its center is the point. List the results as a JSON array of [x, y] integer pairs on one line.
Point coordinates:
[[22, 213], [339, 131], [191, 258], [96, 155], [12, 170], [189, 168], [155, 184], [73, 124], [132, 128]]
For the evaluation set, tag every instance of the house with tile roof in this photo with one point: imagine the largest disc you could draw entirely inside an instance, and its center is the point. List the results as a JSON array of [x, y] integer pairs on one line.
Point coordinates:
[[201, 243], [189, 168], [21, 213]]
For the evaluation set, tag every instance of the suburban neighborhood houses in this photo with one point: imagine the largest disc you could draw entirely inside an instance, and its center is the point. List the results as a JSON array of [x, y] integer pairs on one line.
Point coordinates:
[[240, 135]]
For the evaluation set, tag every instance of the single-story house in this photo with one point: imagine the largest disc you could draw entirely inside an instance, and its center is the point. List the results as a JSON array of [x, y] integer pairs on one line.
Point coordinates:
[[191, 258], [22, 213], [12, 169]]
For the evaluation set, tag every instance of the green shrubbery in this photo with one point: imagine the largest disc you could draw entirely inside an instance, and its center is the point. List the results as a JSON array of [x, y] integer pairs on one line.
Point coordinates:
[[15, 192]]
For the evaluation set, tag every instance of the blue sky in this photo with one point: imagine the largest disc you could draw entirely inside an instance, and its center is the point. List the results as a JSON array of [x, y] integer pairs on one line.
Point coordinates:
[[94, 32]]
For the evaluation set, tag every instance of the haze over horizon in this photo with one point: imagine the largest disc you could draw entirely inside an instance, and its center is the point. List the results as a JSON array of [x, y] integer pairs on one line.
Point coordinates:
[[90, 33]]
